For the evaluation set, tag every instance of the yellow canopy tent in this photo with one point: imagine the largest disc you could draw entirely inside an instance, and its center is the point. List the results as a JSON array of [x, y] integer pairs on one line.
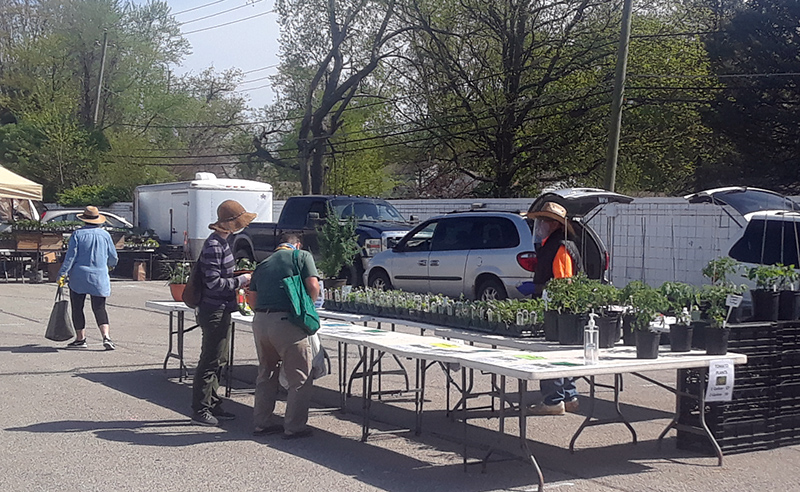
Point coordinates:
[[16, 194]]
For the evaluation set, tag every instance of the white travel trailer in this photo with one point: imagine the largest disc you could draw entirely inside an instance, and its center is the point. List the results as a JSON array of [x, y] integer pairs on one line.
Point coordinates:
[[179, 213]]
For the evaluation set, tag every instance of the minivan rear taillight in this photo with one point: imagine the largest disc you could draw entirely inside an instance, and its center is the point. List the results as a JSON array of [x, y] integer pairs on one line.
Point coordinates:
[[608, 261], [527, 260]]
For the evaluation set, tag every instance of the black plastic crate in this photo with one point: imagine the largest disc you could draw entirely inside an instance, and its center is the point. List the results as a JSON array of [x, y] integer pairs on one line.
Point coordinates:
[[788, 391], [788, 429], [688, 441]]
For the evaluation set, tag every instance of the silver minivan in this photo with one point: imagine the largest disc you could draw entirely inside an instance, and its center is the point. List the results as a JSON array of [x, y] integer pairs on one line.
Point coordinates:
[[483, 255]]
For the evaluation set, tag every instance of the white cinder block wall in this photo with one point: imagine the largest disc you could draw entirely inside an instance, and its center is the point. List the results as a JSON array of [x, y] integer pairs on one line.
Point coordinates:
[[661, 239]]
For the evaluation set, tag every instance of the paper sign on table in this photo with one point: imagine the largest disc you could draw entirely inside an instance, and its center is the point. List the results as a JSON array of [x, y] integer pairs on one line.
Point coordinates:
[[720, 380]]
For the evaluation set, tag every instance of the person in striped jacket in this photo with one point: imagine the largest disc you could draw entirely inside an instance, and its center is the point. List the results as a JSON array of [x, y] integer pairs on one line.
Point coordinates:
[[214, 312]]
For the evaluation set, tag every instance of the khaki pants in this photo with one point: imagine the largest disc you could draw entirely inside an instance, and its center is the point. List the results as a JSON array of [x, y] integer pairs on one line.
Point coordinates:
[[277, 339]]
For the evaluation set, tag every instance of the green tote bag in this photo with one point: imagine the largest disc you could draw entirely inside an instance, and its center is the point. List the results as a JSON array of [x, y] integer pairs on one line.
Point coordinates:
[[303, 312]]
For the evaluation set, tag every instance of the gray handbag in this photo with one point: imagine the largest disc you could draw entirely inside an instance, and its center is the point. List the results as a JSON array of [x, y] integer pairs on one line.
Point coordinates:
[[59, 327]]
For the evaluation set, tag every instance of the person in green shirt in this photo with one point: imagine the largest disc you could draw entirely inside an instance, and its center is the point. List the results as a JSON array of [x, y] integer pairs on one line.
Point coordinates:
[[278, 339]]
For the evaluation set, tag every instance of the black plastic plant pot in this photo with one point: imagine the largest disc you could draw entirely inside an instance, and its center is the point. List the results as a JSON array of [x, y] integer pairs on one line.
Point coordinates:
[[699, 334], [647, 344], [717, 341], [789, 305], [765, 305], [551, 326], [608, 328], [628, 337], [680, 338], [570, 328]]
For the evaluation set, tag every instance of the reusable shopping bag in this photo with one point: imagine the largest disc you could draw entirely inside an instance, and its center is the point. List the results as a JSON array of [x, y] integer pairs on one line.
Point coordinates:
[[59, 326], [320, 362], [303, 313]]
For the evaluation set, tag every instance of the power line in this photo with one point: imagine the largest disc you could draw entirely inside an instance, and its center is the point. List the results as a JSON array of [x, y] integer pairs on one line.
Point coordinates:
[[249, 89], [229, 23], [723, 76], [198, 7], [256, 80], [262, 68], [673, 34], [248, 4], [490, 112], [465, 119]]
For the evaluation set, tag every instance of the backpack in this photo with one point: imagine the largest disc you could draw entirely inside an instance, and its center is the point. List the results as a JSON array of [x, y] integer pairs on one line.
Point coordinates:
[[193, 292]]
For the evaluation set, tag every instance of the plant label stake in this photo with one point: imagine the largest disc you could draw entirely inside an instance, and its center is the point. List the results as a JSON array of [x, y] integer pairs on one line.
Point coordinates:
[[732, 301]]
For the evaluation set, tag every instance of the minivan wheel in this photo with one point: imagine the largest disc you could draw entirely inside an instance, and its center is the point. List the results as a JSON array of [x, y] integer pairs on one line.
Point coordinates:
[[491, 289], [380, 280]]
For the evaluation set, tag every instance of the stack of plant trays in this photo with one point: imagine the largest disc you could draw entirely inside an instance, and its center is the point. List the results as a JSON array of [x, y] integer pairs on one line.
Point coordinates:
[[787, 384], [751, 420]]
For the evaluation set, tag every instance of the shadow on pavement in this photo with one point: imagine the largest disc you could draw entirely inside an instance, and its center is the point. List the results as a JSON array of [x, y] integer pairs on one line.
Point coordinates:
[[30, 349], [438, 447]]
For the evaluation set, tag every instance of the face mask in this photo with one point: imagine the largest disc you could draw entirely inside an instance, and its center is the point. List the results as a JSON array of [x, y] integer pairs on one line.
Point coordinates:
[[543, 229]]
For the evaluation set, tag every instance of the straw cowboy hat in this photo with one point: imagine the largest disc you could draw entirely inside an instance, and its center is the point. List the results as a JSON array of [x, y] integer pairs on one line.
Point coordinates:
[[91, 215], [550, 210], [231, 216]]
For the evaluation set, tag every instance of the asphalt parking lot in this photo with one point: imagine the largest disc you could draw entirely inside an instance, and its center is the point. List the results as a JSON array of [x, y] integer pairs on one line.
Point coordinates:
[[96, 420]]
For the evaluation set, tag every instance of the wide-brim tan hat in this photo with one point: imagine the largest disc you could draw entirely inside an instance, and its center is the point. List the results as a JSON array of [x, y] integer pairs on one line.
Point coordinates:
[[550, 210], [231, 216], [91, 215]]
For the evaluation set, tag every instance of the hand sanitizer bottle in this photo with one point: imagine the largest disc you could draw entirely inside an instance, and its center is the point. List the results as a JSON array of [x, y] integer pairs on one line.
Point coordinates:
[[591, 342]]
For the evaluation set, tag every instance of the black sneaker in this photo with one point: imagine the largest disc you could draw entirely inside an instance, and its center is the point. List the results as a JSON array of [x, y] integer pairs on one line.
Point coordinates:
[[78, 344], [221, 414], [299, 435], [108, 344], [204, 418]]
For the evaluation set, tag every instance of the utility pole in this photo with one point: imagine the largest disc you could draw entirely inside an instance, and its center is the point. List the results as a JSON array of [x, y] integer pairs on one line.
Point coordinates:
[[616, 101], [100, 81]]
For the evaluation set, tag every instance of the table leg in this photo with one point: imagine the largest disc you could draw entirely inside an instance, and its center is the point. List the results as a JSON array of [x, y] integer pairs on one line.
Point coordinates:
[[342, 375], [361, 361], [229, 365], [464, 412], [464, 391], [502, 415], [420, 393], [181, 365], [701, 401], [523, 433], [590, 419], [367, 389], [617, 390], [169, 346]]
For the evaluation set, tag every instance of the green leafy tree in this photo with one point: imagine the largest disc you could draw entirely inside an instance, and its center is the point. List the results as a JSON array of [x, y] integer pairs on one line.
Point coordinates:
[[756, 50], [324, 71]]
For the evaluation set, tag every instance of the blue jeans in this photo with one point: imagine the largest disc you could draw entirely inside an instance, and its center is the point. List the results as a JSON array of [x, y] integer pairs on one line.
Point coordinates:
[[557, 390]]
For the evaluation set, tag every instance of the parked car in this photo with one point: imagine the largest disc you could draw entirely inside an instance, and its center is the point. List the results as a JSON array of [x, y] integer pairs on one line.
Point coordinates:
[[773, 224], [482, 255], [485, 254], [744, 199], [69, 215], [379, 226]]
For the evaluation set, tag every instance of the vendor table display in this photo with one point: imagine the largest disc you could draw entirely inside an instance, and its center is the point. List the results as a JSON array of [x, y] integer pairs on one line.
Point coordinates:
[[536, 362]]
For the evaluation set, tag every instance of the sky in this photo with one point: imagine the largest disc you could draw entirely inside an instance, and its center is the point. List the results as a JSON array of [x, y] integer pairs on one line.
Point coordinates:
[[249, 41]]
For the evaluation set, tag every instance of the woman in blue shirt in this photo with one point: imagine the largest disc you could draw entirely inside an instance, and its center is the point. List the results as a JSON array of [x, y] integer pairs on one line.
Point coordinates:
[[90, 256]]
